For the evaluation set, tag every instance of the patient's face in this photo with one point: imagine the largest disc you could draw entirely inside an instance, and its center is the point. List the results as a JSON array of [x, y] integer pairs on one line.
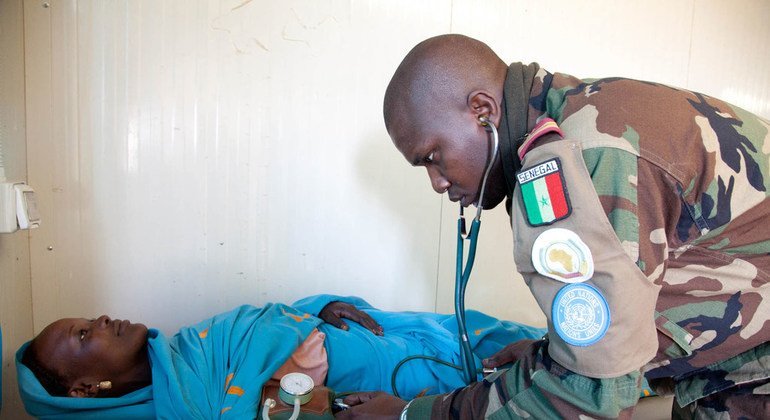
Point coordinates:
[[96, 349]]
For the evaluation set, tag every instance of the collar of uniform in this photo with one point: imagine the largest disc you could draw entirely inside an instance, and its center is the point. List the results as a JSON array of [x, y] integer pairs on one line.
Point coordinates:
[[513, 125], [543, 127]]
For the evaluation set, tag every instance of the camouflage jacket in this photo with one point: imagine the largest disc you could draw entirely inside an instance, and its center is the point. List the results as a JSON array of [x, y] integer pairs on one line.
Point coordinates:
[[684, 187]]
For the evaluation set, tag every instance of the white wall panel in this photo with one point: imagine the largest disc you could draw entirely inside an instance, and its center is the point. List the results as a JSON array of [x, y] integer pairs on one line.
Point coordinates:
[[729, 55], [645, 40], [205, 154], [15, 290], [195, 155]]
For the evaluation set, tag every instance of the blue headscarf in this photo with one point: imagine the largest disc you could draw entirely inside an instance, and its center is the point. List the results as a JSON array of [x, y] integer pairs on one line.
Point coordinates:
[[39, 403]]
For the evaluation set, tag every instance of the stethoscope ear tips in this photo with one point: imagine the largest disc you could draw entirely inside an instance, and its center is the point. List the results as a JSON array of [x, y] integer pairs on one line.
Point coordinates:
[[486, 123]]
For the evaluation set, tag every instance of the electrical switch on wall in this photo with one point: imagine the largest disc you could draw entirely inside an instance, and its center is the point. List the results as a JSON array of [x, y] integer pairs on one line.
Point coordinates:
[[26, 207], [18, 207]]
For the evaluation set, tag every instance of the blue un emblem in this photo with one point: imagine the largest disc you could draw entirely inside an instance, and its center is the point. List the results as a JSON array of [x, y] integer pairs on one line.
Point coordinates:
[[580, 314]]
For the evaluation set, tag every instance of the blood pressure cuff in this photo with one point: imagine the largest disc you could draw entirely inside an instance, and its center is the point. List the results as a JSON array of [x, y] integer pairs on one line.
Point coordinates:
[[318, 408], [600, 306]]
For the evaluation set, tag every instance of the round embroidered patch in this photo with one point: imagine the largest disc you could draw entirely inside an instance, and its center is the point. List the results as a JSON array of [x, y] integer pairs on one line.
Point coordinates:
[[561, 255], [580, 314]]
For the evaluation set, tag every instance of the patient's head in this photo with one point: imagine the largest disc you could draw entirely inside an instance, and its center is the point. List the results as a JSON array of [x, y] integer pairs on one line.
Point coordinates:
[[72, 356]]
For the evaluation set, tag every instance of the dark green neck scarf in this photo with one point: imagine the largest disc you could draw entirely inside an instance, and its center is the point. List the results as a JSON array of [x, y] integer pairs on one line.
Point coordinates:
[[513, 125]]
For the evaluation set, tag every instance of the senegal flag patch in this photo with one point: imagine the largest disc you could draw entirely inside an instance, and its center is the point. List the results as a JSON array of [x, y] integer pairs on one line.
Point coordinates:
[[544, 193]]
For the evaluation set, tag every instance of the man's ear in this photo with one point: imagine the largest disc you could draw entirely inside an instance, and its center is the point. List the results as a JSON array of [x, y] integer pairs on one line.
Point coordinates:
[[83, 389], [482, 103]]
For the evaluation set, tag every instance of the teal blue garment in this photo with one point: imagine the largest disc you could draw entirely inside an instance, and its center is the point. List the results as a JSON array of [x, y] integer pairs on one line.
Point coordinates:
[[362, 361], [217, 368], [190, 371]]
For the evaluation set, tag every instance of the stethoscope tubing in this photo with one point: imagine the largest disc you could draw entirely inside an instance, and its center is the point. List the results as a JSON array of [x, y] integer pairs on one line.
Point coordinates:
[[463, 274]]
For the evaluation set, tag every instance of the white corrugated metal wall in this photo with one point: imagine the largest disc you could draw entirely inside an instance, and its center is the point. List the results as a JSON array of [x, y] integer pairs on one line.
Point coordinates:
[[195, 155], [15, 288]]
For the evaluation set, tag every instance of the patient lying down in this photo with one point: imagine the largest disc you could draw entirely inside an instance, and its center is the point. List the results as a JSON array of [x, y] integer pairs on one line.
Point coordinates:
[[218, 367]]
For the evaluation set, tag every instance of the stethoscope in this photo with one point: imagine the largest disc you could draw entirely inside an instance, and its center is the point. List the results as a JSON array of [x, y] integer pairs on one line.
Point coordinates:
[[462, 274]]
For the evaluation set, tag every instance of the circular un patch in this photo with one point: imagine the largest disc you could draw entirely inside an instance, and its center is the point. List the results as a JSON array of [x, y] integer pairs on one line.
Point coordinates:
[[580, 314]]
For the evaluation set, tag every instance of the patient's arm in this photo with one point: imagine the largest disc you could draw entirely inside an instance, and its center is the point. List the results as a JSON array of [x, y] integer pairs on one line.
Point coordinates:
[[334, 312]]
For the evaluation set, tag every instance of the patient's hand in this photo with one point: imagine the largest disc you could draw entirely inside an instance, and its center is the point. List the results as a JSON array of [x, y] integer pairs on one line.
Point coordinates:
[[372, 405], [334, 312], [509, 354]]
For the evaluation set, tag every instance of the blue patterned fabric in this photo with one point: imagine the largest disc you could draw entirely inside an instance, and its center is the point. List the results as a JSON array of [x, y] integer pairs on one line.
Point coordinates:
[[362, 361], [217, 368]]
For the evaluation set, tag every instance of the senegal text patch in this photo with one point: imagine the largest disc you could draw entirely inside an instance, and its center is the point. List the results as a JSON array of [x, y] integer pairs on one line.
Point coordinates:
[[544, 193]]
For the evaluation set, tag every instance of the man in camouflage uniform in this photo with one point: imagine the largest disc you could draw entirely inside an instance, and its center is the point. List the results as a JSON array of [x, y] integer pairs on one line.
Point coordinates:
[[665, 191]]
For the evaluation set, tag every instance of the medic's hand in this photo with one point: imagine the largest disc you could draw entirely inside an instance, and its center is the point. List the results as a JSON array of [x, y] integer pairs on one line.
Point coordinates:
[[509, 354], [372, 405], [334, 312]]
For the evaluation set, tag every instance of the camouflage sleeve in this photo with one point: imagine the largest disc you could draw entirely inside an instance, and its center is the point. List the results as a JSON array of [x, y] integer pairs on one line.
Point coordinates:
[[644, 207], [534, 387], [641, 203]]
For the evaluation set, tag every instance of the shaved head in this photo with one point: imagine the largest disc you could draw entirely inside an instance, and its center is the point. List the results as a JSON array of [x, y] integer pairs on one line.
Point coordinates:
[[442, 71], [436, 107]]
